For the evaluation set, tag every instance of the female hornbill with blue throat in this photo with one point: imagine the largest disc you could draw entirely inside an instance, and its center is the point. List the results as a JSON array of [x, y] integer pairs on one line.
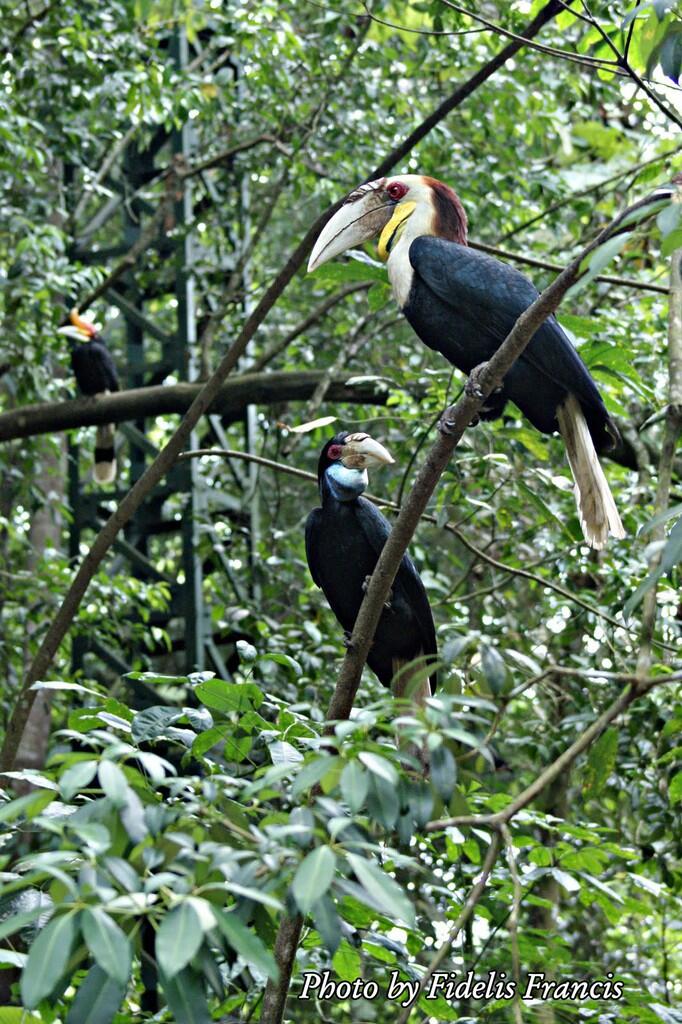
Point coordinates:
[[463, 304], [343, 540], [95, 374]]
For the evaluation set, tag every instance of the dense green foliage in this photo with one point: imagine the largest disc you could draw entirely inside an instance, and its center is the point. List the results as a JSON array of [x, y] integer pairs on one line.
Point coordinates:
[[175, 823]]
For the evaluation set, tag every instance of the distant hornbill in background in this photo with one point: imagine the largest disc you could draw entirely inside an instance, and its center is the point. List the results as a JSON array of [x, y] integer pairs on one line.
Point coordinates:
[[95, 374], [463, 304], [343, 541]]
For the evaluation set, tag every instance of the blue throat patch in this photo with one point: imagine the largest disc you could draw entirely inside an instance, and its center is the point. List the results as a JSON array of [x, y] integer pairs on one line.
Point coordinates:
[[345, 484]]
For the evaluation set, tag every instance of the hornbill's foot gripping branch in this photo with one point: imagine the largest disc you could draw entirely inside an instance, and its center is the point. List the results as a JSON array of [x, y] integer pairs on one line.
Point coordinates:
[[473, 382], [365, 585]]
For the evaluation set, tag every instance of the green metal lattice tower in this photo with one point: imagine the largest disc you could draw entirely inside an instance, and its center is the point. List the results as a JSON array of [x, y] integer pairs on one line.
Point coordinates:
[[152, 353]]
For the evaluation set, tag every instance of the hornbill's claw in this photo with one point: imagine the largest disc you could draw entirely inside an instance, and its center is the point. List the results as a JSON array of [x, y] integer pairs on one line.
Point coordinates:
[[472, 386], [346, 638], [387, 604]]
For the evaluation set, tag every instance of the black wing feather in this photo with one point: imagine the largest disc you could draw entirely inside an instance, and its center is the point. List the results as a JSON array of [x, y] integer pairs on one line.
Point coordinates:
[[312, 525], [484, 298], [377, 529]]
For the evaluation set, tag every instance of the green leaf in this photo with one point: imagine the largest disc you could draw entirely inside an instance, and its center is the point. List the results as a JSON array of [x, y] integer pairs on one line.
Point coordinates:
[[48, 958], [313, 877], [672, 242], [153, 722], [246, 943], [18, 1015], [17, 922], [327, 923], [314, 771], [606, 252], [675, 789], [354, 785], [384, 890], [354, 270], [443, 771], [601, 761], [569, 883], [662, 517], [347, 962], [186, 998], [228, 697], [383, 804], [178, 939], [378, 295], [379, 766], [493, 668], [108, 944], [77, 778], [97, 999], [113, 783], [581, 325], [670, 56], [279, 658]]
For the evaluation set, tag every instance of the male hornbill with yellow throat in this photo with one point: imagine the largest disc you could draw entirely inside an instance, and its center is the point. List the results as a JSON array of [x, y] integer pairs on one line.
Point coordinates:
[[463, 304], [343, 540], [95, 374]]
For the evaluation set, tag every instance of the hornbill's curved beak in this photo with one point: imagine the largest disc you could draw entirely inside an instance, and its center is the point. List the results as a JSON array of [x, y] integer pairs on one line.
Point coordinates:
[[79, 329], [361, 450], [363, 215]]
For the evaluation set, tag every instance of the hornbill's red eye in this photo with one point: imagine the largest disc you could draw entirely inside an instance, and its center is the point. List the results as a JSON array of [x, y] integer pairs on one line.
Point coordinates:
[[396, 189], [334, 451]]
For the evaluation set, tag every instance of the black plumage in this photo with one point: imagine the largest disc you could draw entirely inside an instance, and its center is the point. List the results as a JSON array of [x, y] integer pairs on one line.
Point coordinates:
[[95, 374], [343, 541], [464, 303], [93, 367]]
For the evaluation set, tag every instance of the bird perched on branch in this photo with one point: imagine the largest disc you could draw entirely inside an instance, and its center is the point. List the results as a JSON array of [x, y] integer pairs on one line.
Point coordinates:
[[343, 541], [463, 304], [95, 374]]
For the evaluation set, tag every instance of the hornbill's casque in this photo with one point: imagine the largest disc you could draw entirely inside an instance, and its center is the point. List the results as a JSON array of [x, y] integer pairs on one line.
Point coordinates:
[[463, 304], [95, 374], [343, 540]]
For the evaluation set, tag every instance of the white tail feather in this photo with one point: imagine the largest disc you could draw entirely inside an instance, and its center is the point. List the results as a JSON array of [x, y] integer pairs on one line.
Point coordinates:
[[411, 682], [105, 458], [596, 507]]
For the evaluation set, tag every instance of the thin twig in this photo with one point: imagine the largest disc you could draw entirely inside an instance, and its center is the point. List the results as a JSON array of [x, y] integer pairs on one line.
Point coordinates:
[[621, 60], [561, 764], [464, 915], [532, 261], [596, 187], [317, 314]]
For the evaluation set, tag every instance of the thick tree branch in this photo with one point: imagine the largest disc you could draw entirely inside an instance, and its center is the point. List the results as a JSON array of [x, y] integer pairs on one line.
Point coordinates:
[[161, 400]]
